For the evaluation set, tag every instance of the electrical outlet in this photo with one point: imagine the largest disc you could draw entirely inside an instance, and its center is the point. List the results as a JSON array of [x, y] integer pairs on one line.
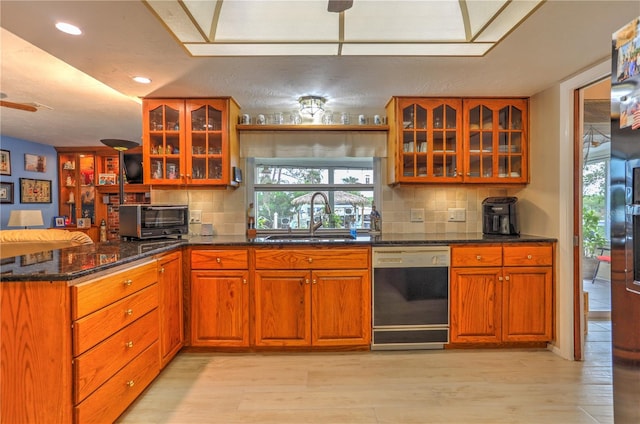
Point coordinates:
[[457, 214], [417, 215], [195, 217]]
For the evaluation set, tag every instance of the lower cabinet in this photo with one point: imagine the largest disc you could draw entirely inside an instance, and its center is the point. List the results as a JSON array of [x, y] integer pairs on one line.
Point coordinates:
[[219, 298], [502, 293], [312, 297], [170, 292]]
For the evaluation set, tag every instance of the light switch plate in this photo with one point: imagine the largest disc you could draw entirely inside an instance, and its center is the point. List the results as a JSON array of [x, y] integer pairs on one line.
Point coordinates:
[[417, 215], [195, 217], [457, 214]]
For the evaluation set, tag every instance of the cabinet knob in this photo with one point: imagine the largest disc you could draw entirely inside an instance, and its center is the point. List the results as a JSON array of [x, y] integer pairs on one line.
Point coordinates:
[[127, 283], [218, 260], [506, 278], [129, 344], [529, 256], [244, 281], [310, 260], [478, 257], [128, 312], [130, 383], [306, 281], [500, 278], [161, 270], [315, 281]]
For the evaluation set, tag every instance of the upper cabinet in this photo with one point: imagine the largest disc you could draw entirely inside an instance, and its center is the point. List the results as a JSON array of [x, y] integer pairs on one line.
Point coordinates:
[[458, 140], [495, 140], [190, 141]]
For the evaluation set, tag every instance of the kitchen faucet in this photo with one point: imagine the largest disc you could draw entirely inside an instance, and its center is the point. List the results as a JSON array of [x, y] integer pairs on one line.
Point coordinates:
[[327, 209]]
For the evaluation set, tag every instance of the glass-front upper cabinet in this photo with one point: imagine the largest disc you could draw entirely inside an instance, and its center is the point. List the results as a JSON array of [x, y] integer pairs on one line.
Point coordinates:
[[496, 140], [428, 143], [163, 123], [206, 137], [77, 186]]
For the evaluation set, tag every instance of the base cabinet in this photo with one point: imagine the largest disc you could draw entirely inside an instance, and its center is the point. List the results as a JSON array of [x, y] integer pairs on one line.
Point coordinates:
[[502, 293], [297, 306], [219, 298], [170, 292]]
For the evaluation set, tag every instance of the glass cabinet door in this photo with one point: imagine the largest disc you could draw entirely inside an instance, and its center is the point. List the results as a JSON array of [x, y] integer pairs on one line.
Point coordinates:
[[430, 140], [165, 134], [206, 141], [496, 140]]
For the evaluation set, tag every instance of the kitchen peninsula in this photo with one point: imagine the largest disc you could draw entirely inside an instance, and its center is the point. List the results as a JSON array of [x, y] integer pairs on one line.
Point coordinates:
[[88, 328]]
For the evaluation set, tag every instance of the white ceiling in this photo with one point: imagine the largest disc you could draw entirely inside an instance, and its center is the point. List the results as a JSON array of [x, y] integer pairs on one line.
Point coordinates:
[[86, 80]]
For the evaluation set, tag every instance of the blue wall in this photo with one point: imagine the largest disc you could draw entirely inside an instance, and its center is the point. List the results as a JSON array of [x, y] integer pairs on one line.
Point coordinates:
[[18, 148]]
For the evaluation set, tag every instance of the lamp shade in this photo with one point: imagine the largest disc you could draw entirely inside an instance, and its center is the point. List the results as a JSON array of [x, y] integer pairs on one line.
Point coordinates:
[[25, 218], [119, 144]]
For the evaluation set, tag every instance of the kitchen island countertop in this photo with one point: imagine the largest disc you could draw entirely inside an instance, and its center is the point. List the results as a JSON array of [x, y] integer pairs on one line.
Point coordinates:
[[81, 261]]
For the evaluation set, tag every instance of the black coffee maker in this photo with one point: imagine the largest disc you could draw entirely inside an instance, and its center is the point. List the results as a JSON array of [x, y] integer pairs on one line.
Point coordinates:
[[499, 216]]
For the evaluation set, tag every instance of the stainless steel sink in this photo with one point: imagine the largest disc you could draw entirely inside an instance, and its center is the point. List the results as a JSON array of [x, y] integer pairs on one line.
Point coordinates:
[[326, 237]]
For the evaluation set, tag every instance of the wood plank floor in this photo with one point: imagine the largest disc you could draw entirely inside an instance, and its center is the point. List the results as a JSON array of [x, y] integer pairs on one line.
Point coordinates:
[[454, 386]]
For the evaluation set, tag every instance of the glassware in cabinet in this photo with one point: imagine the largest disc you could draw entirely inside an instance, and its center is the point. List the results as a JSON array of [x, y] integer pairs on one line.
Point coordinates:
[[207, 119], [163, 141]]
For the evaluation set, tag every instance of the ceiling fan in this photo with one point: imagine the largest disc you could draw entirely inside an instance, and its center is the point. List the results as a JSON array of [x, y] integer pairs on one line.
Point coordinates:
[[338, 6], [29, 107]]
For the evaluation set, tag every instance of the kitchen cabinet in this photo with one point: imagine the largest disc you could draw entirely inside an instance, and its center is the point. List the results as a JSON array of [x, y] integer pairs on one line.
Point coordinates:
[[502, 293], [425, 140], [77, 181], [219, 297], [458, 140], [312, 297], [496, 141], [170, 305], [190, 141]]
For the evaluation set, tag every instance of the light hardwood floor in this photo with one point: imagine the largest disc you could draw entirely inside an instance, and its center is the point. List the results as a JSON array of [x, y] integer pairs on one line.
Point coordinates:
[[452, 386]]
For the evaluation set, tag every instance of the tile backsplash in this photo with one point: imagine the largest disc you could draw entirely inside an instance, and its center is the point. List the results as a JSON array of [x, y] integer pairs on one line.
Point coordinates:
[[226, 209]]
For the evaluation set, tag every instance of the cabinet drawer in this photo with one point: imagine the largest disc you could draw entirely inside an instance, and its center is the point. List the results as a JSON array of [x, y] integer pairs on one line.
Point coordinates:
[[95, 294], [97, 365], [113, 397], [92, 329], [353, 258], [219, 259], [528, 255], [475, 256]]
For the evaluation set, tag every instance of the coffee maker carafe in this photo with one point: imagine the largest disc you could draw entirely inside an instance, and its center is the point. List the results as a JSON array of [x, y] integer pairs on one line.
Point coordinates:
[[499, 216]]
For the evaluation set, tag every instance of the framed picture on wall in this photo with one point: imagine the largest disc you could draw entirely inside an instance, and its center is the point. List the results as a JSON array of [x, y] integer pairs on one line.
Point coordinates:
[[5, 162], [35, 163], [6, 192], [35, 191], [58, 221]]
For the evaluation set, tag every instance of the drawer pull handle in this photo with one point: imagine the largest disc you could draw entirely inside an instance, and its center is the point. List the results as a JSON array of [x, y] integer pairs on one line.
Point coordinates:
[[244, 281], [529, 256], [130, 383], [310, 260], [218, 260], [161, 270], [129, 344], [127, 283], [128, 312], [478, 257]]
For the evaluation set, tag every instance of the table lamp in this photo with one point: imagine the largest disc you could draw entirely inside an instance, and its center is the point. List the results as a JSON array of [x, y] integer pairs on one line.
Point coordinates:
[[120, 146], [25, 218]]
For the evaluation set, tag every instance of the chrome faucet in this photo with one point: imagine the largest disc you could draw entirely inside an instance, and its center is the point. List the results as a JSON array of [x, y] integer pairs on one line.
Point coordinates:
[[327, 209]]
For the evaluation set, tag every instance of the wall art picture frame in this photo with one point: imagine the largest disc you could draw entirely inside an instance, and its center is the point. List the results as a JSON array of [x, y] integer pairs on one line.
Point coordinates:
[[35, 163], [35, 191], [6, 192], [5, 162]]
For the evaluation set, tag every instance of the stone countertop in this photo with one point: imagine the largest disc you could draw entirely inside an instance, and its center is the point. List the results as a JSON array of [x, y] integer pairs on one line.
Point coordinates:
[[80, 261]]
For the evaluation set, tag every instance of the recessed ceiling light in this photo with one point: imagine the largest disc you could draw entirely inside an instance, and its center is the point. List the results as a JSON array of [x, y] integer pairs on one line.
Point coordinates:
[[68, 28], [142, 80]]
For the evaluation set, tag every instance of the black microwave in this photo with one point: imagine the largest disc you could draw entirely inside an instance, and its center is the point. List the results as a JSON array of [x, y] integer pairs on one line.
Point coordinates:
[[153, 221]]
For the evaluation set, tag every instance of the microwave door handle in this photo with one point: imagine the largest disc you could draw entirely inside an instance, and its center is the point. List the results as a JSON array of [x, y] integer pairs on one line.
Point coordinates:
[[153, 208]]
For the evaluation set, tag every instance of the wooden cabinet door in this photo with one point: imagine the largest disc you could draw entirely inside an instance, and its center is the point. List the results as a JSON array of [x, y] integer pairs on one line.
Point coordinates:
[[170, 305], [527, 304], [220, 308], [495, 140], [476, 295], [282, 308], [341, 307], [163, 139]]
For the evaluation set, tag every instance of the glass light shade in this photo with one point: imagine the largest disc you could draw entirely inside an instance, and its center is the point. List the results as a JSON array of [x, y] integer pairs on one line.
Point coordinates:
[[25, 218], [310, 105]]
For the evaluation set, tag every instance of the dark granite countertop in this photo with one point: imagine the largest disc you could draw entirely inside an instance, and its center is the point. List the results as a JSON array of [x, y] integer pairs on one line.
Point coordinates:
[[75, 262]]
